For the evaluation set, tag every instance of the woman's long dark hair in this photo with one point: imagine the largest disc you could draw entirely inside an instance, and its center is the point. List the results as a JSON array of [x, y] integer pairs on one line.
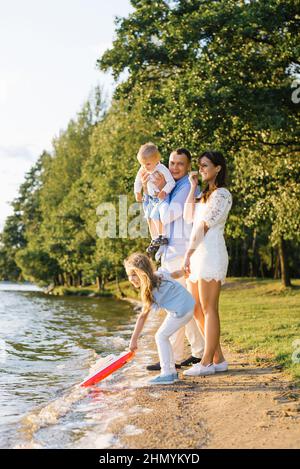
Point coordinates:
[[217, 159]]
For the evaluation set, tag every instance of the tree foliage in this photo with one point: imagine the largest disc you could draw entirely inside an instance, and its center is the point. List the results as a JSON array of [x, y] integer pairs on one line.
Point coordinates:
[[200, 74]]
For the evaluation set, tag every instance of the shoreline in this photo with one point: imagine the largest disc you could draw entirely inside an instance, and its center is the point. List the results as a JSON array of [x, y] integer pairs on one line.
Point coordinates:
[[91, 291], [246, 407]]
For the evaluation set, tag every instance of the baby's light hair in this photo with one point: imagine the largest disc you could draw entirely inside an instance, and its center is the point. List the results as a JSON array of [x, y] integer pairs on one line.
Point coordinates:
[[148, 151], [144, 269]]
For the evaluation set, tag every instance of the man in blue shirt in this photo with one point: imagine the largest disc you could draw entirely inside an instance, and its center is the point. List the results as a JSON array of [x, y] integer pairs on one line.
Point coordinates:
[[178, 232]]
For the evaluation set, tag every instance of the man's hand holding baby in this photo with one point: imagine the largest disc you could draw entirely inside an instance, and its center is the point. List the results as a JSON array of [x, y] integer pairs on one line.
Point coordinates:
[[162, 195]]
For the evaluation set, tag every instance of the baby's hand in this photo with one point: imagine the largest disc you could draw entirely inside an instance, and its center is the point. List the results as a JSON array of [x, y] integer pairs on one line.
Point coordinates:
[[162, 195]]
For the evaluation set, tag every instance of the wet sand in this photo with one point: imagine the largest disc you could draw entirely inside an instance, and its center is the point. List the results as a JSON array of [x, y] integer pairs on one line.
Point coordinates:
[[250, 406]]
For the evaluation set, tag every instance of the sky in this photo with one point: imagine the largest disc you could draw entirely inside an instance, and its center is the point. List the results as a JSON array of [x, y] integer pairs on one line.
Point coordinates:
[[48, 53]]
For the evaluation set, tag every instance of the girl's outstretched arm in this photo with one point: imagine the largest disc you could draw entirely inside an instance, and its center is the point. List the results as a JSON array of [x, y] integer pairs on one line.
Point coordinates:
[[137, 330]]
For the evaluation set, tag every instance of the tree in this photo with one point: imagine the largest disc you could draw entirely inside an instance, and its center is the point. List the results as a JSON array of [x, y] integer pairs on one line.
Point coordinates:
[[24, 221], [218, 74], [271, 189]]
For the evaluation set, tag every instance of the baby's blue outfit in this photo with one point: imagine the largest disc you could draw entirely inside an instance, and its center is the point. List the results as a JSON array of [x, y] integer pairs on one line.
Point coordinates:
[[172, 296], [151, 208]]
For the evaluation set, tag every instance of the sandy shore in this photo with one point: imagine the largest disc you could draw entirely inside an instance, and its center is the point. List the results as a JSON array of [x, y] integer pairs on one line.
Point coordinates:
[[250, 406]]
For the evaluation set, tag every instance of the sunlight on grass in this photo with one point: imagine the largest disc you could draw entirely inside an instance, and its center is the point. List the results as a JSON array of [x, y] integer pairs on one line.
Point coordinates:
[[259, 316]]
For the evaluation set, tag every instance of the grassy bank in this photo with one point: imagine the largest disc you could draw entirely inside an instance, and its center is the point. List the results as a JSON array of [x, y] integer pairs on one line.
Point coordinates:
[[111, 290], [257, 317]]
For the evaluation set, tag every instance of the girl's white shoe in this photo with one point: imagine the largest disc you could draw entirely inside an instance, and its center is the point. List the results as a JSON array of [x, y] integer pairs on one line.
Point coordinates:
[[200, 370], [219, 367]]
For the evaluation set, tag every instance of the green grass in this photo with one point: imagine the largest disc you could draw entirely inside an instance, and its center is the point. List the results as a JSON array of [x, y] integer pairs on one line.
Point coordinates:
[[261, 318], [126, 289]]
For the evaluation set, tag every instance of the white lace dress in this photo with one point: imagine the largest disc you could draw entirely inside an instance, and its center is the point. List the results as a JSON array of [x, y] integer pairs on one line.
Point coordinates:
[[210, 259]]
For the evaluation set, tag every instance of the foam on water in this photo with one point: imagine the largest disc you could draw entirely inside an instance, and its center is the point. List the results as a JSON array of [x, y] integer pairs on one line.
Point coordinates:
[[100, 405], [50, 413], [114, 342]]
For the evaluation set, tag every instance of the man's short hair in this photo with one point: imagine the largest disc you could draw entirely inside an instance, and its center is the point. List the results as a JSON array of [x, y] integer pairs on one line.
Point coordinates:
[[183, 151]]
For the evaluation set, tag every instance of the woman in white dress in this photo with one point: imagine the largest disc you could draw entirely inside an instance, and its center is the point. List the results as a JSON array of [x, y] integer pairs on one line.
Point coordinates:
[[206, 259]]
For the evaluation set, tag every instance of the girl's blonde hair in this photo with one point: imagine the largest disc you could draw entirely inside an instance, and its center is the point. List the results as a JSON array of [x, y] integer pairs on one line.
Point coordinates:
[[147, 151], [144, 269]]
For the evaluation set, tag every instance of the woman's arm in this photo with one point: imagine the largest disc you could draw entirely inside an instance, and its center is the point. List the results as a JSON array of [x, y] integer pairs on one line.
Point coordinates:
[[196, 238], [188, 211], [137, 330], [220, 203]]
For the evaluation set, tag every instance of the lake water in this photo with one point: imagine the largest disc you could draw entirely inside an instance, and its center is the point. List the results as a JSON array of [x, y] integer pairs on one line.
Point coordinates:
[[47, 346]]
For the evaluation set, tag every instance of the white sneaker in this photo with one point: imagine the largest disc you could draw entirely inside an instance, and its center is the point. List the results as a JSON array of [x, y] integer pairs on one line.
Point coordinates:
[[219, 367], [200, 370]]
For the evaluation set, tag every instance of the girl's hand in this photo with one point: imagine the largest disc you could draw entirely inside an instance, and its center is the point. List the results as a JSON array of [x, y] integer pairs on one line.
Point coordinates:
[[159, 180], [133, 345], [193, 178], [178, 274]]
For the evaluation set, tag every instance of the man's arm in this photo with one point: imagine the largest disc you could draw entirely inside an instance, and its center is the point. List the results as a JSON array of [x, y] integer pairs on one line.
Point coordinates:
[[170, 182], [138, 196], [140, 184]]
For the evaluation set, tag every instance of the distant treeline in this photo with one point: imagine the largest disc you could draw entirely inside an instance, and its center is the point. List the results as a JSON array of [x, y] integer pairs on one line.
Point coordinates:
[[201, 75]]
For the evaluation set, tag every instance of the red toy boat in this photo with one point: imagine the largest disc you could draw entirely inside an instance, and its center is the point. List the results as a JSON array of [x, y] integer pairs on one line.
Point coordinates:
[[106, 367]]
